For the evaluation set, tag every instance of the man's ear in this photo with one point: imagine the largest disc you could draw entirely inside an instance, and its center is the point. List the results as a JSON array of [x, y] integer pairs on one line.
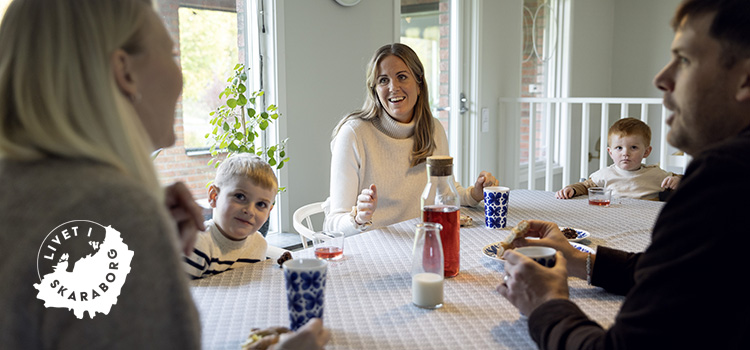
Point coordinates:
[[122, 66], [743, 92], [213, 194]]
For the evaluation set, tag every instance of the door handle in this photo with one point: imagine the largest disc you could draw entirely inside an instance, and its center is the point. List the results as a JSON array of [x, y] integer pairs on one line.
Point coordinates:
[[462, 106]]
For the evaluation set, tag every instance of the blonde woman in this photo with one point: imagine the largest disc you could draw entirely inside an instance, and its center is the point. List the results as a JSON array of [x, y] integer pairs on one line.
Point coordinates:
[[379, 151], [87, 91]]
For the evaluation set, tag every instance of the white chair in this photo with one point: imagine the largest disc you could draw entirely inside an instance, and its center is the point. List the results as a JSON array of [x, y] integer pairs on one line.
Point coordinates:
[[306, 229]]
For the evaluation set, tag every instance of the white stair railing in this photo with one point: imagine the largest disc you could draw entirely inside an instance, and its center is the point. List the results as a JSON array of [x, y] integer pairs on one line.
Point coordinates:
[[551, 122]]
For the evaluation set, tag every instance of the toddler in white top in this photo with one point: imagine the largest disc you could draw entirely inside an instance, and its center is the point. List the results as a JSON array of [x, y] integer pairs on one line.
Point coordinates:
[[242, 196], [629, 142]]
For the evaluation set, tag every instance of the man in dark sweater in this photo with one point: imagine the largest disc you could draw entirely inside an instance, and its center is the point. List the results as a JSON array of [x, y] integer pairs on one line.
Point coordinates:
[[686, 291]]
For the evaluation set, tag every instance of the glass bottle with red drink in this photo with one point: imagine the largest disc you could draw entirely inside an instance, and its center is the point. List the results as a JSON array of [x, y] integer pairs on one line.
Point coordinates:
[[440, 204]]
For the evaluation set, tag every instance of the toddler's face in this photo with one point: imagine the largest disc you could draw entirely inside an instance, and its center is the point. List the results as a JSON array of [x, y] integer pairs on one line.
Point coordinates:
[[628, 151], [241, 207]]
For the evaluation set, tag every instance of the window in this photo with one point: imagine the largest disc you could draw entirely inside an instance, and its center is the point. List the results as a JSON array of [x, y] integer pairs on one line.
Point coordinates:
[[540, 38], [424, 28], [212, 39], [208, 52]]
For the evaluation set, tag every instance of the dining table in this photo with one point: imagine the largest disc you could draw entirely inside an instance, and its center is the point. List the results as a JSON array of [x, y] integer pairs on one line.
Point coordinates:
[[368, 297]]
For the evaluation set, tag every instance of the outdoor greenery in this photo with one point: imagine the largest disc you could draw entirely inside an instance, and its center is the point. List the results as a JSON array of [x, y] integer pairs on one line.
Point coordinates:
[[208, 51]]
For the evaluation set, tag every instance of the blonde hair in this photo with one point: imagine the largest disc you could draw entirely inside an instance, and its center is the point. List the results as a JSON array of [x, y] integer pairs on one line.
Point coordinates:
[[58, 95], [248, 166], [424, 141], [630, 127]]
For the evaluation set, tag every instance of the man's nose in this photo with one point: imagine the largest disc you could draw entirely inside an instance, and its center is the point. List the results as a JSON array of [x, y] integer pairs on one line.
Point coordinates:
[[663, 80]]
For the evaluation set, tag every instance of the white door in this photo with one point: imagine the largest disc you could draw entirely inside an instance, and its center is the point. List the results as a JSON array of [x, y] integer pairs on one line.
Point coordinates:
[[437, 31]]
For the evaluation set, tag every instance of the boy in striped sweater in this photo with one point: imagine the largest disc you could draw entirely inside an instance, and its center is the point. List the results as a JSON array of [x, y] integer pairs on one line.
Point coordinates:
[[242, 196]]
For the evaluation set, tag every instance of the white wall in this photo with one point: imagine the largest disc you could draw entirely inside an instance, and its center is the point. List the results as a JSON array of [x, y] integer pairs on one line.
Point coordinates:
[[642, 38], [325, 50], [500, 33], [618, 46], [592, 32]]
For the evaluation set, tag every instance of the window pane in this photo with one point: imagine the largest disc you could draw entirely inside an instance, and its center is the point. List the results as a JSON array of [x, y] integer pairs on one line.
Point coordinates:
[[176, 163], [538, 57], [425, 29], [208, 47]]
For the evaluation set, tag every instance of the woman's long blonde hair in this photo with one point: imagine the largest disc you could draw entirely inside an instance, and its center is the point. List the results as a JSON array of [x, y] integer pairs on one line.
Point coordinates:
[[424, 142], [58, 95]]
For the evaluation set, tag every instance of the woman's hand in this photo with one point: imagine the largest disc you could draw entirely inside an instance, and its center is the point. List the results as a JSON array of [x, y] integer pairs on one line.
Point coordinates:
[[549, 235], [187, 214], [485, 179], [367, 202], [311, 336], [565, 193], [527, 284]]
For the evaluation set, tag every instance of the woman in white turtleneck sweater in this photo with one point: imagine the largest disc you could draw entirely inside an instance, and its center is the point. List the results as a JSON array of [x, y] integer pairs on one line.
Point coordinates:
[[379, 152]]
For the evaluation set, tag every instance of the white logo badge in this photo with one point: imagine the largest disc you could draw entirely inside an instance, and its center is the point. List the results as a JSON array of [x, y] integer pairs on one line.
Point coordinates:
[[82, 266]]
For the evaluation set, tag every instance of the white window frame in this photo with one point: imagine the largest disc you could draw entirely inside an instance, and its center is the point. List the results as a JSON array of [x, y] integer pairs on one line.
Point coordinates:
[[261, 24]]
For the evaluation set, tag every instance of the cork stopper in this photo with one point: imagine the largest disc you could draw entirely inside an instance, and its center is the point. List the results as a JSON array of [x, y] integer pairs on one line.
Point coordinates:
[[440, 165]]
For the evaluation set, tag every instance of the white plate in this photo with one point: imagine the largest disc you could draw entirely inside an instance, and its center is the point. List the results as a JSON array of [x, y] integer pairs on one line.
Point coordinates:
[[490, 250], [581, 234]]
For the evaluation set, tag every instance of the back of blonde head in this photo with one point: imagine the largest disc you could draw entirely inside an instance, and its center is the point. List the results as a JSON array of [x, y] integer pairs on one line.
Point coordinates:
[[58, 96], [248, 166]]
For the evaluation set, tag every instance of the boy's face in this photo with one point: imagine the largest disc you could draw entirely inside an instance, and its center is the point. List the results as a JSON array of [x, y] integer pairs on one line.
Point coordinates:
[[240, 207], [628, 151]]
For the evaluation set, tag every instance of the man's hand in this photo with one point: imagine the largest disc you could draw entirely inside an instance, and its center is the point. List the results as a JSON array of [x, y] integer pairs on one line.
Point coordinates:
[[527, 284]]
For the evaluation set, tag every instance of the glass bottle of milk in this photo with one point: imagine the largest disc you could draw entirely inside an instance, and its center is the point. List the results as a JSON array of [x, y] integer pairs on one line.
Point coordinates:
[[427, 267]]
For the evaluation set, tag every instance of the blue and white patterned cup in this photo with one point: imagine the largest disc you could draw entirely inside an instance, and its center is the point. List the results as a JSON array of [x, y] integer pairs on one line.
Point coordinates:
[[305, 287], [496, 206], [543, 255]]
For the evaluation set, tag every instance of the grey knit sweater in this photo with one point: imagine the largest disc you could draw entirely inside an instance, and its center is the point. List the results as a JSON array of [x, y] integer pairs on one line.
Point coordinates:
[[154, 309]]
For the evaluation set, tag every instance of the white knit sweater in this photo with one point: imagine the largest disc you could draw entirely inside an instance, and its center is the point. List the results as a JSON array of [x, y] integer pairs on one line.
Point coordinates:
[[377, 152]]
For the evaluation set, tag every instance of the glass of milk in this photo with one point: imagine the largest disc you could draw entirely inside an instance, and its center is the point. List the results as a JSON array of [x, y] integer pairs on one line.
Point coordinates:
[[427, 267]]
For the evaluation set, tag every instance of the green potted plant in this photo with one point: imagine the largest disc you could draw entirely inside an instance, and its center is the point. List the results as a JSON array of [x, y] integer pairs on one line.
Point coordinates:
[[237, 125]]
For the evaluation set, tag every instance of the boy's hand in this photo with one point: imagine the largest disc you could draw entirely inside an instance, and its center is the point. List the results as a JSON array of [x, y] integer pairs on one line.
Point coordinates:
[[367, 202], [565, 193], [485, 179], [670, 182], [186, 213]]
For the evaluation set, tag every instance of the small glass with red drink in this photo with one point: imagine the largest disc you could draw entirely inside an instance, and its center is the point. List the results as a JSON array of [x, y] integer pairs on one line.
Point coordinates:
[[328, 245]]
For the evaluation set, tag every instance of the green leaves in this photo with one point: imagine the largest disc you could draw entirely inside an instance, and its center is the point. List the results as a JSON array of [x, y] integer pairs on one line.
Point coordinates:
[[239, 121]]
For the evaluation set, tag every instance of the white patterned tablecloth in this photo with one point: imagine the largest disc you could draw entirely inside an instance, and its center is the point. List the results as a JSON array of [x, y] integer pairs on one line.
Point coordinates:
[[368, 292]]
